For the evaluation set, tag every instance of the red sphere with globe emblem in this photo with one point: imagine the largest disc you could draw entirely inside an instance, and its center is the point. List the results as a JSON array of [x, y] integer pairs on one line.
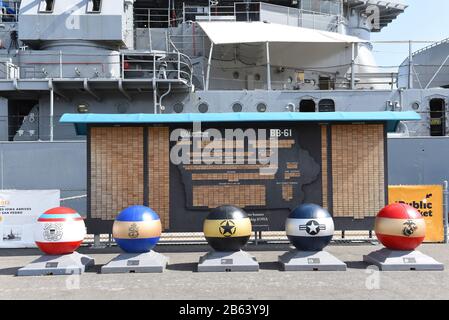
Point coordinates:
[[59, 231], [400, 227]]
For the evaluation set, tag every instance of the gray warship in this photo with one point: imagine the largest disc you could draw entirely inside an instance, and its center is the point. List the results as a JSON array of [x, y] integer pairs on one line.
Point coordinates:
[[194, 56]]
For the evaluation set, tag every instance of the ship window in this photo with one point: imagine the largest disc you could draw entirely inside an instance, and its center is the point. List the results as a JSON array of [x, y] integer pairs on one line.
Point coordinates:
[[307, 105], [203, 107], [237, 107], [326, 105], [437, 117], [178, 107], [94, 6], [46, 5], [261, 107]]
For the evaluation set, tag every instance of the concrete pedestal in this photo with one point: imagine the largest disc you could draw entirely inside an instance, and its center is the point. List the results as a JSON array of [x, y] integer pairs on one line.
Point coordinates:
[[390, 260], [295, 260], [239, 261], [68, 264], [150, 262]]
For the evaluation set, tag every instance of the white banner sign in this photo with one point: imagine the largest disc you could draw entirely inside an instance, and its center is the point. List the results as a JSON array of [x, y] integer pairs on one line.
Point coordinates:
[[19, 211]]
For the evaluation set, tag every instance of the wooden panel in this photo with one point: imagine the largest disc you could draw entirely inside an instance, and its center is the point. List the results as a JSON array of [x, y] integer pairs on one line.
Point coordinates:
[[358, 170], [159, 176], [116, 170]]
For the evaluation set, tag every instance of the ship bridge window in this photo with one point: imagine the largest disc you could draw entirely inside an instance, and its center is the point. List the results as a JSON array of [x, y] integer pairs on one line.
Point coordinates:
[[307, 105], [437, 108], [94, 6], [326, 105], [46, 5]]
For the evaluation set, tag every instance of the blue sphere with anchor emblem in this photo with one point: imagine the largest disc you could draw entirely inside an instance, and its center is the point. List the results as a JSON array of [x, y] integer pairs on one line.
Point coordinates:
[[310, 227], [137, 229]]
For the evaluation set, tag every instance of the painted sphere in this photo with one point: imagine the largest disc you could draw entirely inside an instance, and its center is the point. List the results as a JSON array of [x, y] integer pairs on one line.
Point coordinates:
[[227, 228], [137, 229], [400, 227], [59, 231], [309, 227]]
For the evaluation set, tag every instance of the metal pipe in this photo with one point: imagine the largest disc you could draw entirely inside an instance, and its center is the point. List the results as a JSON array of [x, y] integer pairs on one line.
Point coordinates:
[[209, 62], [179, 66], [164, 95], [353, 66], [446, 209], [123, 66], [268, 66], [52, 101], [60, 64], [154, 85], [410, 64], [122, 90]]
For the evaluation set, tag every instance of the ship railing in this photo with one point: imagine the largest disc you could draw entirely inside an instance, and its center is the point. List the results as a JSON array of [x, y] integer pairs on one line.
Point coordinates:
[[240, 11], [156, 17], [8, 70], [155, 65], [261, 11], [371, 81]]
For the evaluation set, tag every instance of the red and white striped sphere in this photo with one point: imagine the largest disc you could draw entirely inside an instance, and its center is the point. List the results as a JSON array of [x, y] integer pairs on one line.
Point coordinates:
[[400, 227], [59, 231]]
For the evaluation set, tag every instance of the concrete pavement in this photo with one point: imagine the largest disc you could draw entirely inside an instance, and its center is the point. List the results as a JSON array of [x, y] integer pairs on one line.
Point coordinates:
[[180, 281]]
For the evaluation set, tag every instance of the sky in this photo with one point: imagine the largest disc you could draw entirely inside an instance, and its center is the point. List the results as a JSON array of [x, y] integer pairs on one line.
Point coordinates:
[[423, 20]]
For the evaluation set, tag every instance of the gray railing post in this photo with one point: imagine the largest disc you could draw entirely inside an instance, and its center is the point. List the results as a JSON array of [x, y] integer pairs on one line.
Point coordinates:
[[179, 66], [267, 44], [60, 64], [183, 12], [154, 85], [123, 66], [52, 99], [410, 64]]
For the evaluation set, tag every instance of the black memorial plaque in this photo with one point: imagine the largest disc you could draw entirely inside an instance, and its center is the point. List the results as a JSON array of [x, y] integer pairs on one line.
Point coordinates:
[[266, 195]]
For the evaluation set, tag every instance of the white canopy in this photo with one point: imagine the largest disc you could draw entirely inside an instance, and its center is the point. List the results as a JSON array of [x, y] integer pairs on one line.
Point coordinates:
[[259, 32]]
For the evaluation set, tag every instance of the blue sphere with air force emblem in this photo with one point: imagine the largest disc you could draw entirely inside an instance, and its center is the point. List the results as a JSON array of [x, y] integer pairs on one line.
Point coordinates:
[[310, 227]]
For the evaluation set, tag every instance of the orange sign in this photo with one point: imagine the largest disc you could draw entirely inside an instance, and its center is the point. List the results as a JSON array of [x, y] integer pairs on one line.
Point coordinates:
[[428, 200]]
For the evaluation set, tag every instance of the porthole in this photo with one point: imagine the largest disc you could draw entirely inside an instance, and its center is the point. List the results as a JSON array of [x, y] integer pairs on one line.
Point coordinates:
[[178, 107], [122, 107], [237, 107], [203, 107], [236, 75], [415, 106], [257, 77], [261, 107]]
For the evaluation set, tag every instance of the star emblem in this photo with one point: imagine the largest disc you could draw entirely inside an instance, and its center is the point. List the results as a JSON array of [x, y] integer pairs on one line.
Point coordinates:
[[227, 228], [312, 227]]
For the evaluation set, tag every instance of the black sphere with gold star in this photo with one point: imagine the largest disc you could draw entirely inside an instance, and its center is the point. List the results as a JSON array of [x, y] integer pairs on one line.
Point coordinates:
[[227, 228]]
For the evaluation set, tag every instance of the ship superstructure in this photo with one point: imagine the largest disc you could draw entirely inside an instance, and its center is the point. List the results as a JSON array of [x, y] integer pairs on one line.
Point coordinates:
[[195, 56]]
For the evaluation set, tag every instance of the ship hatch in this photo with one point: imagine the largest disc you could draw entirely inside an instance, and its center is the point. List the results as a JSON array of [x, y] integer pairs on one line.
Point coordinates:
[[437, 117]]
